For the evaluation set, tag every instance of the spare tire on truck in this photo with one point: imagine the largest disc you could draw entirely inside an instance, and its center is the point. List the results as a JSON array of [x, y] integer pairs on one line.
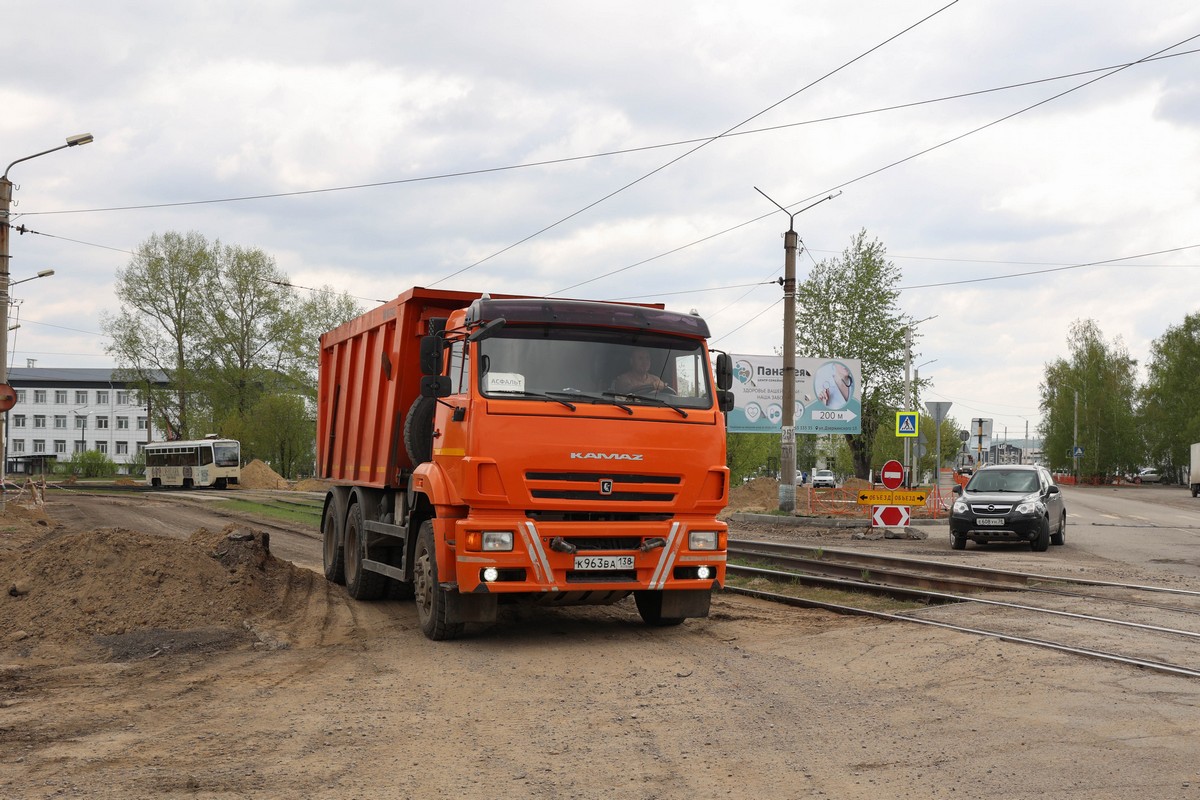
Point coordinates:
[[418, 430]]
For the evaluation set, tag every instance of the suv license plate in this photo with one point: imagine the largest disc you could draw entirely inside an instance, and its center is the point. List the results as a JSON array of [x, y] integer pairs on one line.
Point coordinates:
[[994, 522], [603, 562]]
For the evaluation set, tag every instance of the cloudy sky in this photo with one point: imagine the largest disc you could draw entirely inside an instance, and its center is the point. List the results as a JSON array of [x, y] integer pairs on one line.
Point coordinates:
[[1017, 176]]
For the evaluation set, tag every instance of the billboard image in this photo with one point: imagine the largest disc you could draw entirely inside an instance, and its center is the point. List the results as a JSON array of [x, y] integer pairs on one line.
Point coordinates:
[[828, 395]]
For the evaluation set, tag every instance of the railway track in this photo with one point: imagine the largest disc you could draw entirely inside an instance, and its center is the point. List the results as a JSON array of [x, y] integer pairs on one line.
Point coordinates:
[[1152, 627]]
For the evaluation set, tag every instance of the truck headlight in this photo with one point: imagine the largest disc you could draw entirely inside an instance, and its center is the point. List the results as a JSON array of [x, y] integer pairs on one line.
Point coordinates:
[[497, 540], [703, 540]]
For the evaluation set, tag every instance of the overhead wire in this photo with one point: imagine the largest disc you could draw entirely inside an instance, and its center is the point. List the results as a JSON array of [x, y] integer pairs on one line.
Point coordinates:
[[695, 149]]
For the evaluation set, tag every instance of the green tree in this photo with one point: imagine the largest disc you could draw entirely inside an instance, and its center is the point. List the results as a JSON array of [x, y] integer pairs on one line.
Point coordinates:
[[1168, 407], [750, 454], [224, 327], [847, 308], [279, 431], [160, 331], [1096, 385]]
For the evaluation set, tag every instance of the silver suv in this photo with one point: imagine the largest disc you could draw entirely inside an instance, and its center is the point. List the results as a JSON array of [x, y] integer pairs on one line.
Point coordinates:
[[1009, 503]]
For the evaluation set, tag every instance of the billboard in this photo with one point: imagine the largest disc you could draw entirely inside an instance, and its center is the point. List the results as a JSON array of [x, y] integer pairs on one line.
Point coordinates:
[[828, 395]]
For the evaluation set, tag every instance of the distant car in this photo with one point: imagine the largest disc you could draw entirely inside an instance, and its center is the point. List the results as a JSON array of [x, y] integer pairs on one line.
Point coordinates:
[[1009, 503], [1148, 475], [824, 478]]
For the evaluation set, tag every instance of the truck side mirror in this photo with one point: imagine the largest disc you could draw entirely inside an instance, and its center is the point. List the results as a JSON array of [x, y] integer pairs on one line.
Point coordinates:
[[724, 372], [725, 400], [435, 386], [431, 355]]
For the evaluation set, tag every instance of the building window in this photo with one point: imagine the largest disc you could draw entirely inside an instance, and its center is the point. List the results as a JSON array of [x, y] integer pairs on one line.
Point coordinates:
[[39, 420], [122, 398], [39, 395], [80, 447], [20, 395], [101, 447], [18, 420], [39, 445], [141, 423], [18, 445], [60, 422], [102, 397], [80, 397], [60, 446], [101, 422], [122, 448], [122, 423], [81, 423], [60, 396]]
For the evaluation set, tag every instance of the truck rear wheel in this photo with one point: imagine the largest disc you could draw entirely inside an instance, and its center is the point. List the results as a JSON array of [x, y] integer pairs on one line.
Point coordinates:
[[331, 549], [433, 603], [361, 584]]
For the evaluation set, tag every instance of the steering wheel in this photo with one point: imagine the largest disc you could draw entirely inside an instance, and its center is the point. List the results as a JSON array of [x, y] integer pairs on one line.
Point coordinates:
[[650, 387]]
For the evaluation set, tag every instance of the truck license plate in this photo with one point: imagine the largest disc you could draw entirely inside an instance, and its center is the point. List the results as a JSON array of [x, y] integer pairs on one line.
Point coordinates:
[[995, 522], [603, 562]]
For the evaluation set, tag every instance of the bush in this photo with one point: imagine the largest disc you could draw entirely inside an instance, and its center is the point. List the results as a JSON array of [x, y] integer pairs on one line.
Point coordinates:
[[90, 464]]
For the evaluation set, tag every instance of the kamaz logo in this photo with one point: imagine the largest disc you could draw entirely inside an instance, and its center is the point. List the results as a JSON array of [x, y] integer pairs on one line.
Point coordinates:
[[609, 456]]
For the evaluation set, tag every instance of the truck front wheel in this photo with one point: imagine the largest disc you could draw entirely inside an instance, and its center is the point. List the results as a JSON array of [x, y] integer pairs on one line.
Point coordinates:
[[650, 606], [433, 602]]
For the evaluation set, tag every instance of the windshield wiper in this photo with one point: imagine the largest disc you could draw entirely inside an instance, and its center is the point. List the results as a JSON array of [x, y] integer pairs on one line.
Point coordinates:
[[593, 398], [534, 395], [652, 399]]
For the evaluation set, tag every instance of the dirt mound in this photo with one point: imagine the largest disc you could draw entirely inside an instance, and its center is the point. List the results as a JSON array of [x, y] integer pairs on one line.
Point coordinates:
[[758, 496], [312, 485], [137, 595], [257, 475]]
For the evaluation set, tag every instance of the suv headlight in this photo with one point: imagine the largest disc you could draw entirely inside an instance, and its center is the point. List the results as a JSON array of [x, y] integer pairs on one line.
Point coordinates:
[[960, 506], [1031, 505]]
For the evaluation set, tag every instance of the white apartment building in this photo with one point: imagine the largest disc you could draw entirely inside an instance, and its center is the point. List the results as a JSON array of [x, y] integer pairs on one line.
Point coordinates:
[[60, 412]]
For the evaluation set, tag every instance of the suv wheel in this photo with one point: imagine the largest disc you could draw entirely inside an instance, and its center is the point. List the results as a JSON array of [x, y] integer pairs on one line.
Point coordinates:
[[1060, 536], [1041, 543], [957, 541]]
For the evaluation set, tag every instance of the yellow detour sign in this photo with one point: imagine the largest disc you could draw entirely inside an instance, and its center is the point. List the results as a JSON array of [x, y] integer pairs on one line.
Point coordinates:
[[883, 497]]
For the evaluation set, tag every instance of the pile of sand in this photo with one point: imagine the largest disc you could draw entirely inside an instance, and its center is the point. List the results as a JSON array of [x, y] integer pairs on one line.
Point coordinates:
[[257, 475], [757, 496], [124, 594]]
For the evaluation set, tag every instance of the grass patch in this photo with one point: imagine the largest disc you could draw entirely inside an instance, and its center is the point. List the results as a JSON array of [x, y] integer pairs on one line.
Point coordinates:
[[287, 512]]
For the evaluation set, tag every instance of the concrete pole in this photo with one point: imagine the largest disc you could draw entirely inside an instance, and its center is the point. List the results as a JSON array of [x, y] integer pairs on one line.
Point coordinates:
[[907, 397], [5, 206], [787, 439], [1075, 438]]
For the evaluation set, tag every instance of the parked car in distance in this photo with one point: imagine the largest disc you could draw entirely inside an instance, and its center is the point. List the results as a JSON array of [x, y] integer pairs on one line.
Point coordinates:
[[1009, 503], [1148, 475], [824, 478]]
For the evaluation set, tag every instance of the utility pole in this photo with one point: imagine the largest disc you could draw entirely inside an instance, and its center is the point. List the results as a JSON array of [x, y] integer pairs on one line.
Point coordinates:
[[907, 398], [1075, 438], [5, 206], [787, 438]]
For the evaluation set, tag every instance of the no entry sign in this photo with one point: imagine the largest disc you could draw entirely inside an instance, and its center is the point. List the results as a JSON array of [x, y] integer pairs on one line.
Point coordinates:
[[892, 474]]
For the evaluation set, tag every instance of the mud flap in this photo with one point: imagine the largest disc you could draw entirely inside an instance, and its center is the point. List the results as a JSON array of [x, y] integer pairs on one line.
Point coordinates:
[[677, 604], [470, 607]]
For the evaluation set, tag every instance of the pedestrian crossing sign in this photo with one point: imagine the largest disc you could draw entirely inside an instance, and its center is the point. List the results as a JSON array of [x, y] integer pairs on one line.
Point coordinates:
[[906, 423]]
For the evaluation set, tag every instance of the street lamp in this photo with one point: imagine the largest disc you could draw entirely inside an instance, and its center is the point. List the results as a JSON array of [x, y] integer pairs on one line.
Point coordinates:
[[5, 206]]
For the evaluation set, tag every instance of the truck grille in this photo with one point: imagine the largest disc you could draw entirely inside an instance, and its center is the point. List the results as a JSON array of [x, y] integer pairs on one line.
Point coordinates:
[[602, 487]]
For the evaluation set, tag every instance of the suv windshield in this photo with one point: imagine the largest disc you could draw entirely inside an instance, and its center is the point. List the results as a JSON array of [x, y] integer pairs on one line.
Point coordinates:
[[594, 364], [1021, 481]]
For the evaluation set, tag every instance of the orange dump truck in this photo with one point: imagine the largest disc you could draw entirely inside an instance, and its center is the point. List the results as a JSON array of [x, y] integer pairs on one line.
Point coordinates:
[[487, 449]]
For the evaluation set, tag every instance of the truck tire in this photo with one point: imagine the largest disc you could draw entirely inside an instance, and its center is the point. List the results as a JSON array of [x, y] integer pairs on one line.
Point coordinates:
[[1195, 489], [1041, 543], [649, 605], [361, 584], [331, 549], [418, 430], [433, 604]]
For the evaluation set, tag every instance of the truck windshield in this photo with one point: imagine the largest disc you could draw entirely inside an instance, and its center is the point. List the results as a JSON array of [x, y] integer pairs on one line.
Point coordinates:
[[605, 365]]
